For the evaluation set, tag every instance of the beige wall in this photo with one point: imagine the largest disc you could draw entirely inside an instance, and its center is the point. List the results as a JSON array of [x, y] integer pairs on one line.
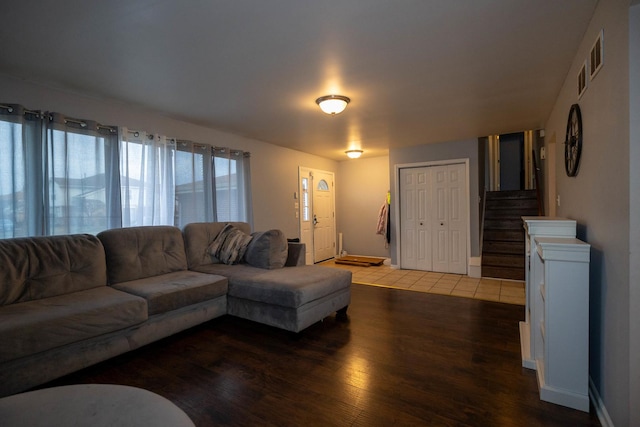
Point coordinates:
[[598, 198], [361, 191], [274, 170]]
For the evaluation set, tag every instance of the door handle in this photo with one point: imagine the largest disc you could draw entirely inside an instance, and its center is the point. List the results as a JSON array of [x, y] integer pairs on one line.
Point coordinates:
[[315, 220]]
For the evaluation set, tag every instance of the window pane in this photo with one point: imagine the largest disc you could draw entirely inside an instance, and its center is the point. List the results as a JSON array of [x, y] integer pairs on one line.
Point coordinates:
[[191, 197], [305, 199], [76, 183], [227, 190], [147, 180], [323, 186], [12, 179]]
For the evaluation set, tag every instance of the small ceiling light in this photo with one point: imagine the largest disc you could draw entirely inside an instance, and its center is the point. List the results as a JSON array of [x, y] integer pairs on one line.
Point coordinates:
[[354, 154], [333, 104]]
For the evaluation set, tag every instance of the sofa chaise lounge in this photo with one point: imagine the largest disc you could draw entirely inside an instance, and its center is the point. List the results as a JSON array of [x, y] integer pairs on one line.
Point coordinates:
[[67, 302]]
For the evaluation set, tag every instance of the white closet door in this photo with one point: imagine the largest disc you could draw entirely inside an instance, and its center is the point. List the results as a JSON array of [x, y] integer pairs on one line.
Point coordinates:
[[449, 219], [416, 218], [433, 222]]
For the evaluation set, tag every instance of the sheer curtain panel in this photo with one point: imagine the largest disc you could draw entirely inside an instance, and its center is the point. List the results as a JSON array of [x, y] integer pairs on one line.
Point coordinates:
[[147, 174], [81, 188], [21, 208]]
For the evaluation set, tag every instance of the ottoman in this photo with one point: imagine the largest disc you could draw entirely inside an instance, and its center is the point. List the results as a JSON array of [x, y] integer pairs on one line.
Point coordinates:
[[96, 405]]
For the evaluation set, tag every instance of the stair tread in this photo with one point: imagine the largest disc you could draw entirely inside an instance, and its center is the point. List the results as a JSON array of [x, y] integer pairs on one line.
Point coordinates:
[[503, 252]]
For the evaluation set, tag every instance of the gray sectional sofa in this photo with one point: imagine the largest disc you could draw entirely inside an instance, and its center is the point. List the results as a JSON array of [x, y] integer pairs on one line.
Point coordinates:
[[290, 298], [67, 302]]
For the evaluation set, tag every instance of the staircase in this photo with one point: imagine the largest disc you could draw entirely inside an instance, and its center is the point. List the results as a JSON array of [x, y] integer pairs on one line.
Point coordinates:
[[503, 237]]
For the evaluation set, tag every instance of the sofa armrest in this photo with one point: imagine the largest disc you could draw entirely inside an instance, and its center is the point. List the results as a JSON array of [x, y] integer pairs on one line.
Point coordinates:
[[296, 255]]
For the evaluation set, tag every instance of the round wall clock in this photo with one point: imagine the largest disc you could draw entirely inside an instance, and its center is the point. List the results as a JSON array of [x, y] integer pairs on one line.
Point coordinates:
[[573, 141]]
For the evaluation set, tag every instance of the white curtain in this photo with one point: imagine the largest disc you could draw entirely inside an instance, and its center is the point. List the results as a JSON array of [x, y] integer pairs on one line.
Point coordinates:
[[81, 191], [232, 178], [20, 172], [147, 168]]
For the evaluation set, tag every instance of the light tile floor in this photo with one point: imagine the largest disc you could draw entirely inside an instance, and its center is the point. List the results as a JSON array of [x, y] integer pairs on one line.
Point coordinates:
[[507, 291]]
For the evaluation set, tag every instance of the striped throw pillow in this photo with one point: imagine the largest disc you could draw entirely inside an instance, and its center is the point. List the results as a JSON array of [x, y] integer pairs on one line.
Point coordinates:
[[229, 245]]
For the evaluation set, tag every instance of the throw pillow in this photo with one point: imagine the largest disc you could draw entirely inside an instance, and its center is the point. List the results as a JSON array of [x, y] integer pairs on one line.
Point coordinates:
[[229, 245], [267, 249]]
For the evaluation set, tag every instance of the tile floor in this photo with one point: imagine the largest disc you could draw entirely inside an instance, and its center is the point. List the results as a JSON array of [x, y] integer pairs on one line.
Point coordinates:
[[507, 291]]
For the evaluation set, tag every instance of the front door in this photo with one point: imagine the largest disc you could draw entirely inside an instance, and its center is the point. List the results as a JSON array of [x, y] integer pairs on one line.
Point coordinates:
[[324, 236], [316, 214]]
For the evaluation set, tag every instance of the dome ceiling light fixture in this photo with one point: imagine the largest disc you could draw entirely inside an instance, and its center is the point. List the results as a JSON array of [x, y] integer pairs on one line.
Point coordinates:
[[333, 104], [354, 154]]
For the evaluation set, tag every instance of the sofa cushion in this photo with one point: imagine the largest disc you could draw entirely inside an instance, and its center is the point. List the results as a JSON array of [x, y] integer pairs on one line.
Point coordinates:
[[138, 252], [41, 267], [35, 326], [267, 249], [230, 245], [288, 287], [175, 290], [198, 237]]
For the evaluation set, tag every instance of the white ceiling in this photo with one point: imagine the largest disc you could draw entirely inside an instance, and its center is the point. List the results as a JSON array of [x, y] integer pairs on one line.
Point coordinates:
[[417, 71]]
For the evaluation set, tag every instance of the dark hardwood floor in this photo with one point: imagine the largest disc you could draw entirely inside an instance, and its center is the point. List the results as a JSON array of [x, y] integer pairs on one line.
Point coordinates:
[[402, 358]]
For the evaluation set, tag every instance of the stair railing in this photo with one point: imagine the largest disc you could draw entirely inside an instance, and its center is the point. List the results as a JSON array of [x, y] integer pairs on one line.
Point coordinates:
[[537, 178], [482, 212]]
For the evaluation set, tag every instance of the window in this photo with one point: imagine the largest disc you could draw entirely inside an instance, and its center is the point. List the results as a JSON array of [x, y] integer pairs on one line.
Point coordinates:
[[80, 184], [60, 175], [56, 181], [232, 183], [323, 186], [146, 178], [305, 200], [13, 179], [194, 190]]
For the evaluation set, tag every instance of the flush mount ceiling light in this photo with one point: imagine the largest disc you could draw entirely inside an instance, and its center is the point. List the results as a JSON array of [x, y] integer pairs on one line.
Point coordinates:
[[354, 154], [333, 104]]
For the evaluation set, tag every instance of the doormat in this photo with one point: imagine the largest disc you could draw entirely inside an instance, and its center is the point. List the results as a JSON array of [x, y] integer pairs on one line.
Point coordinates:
[[363, 261]]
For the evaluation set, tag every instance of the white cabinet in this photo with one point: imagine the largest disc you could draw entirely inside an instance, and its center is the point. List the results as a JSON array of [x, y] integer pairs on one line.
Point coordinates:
[[537, 226], [560, 321]]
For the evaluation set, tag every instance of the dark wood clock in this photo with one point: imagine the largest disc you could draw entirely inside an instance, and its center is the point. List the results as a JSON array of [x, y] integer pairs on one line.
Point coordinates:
[[573, 141]]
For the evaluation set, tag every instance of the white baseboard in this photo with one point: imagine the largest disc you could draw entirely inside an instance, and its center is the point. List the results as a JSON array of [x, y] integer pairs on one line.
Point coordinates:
[[475, 267], [598, 404]]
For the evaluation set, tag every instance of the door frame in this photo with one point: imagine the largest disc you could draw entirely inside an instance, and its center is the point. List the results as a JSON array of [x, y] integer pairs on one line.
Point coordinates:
[[397, 204]]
